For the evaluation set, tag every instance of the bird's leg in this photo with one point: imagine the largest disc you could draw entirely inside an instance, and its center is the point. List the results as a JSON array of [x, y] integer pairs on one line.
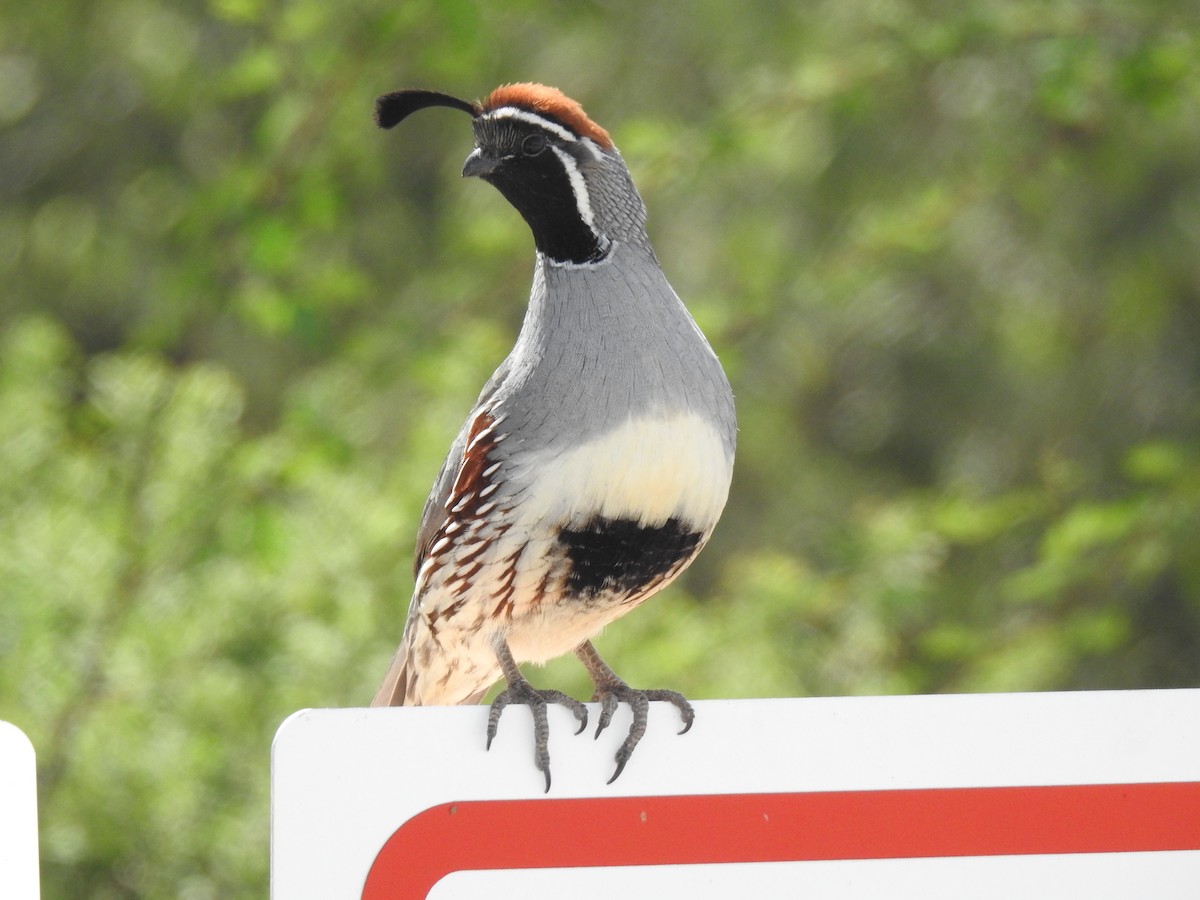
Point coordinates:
[[610, 690], [521, 691]]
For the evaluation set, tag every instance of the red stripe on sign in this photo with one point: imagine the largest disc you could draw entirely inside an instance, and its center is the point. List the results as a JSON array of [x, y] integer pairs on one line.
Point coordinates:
[[729, 828]]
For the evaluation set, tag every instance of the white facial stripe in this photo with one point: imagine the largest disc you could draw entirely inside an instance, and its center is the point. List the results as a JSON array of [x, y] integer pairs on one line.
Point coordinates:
[[578, 187], [521, 115]]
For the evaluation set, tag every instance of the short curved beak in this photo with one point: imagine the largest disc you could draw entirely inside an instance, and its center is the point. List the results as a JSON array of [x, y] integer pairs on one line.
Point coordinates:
[[478, 165]]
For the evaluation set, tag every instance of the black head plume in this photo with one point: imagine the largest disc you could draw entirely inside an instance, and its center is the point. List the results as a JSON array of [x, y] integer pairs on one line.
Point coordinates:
[[392, 109]]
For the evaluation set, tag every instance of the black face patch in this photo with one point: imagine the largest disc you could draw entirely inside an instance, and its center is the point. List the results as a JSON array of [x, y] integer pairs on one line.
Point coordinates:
[[534, 180], [620, 556]]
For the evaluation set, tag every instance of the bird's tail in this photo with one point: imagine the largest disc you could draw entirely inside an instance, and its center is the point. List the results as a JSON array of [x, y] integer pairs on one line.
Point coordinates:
[[397, 685]]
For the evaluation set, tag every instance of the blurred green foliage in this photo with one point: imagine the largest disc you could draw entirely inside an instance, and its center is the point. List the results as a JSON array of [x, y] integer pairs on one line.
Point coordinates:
[[947, 251]]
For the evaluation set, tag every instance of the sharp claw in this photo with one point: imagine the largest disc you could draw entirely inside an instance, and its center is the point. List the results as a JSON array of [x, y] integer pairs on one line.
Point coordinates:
[[620, 768], [610, 695], [525, 694], [625, 752], [688, 715], [494, 720], [608, 706], [676, 699]]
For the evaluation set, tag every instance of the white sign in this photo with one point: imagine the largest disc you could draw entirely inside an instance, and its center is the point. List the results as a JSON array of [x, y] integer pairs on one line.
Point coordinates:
[[1052, 795], [18, 816]]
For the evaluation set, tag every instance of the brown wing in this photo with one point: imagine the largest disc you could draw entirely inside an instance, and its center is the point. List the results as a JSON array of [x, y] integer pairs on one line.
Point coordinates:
[[437, 507], [436, 510], [463, 464]]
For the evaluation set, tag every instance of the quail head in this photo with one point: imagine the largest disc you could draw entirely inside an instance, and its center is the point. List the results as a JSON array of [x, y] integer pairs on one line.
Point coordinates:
[[598, 457]]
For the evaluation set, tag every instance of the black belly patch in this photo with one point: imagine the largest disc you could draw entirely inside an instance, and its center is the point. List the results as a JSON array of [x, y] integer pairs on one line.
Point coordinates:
[[621, 556]]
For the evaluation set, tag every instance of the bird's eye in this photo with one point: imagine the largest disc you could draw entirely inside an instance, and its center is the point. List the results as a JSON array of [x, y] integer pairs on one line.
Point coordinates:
[[533, 145]]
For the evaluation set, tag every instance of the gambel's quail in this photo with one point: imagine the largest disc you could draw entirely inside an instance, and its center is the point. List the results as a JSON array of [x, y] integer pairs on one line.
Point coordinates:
[[597, 459]]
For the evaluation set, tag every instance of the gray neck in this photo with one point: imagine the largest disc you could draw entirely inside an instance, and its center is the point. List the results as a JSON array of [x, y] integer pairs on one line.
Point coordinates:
[[617, 207]]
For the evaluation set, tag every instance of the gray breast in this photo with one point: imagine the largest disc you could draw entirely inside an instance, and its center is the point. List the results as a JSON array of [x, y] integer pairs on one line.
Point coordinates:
[[602, 343]]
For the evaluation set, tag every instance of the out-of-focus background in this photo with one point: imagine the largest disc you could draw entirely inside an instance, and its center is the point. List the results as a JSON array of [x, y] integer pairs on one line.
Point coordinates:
[[948, 252]]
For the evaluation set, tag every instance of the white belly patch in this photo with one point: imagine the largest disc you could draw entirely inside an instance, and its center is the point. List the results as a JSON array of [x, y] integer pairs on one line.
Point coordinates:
[[646, 469]]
